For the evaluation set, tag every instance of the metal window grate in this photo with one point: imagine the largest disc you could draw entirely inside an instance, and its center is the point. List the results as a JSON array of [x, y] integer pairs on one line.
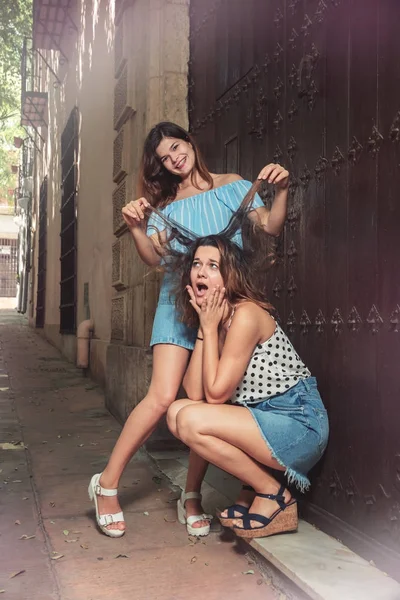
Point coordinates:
[[52, 21], [8, 268], [41, 284], [69, 178], [34, 98]]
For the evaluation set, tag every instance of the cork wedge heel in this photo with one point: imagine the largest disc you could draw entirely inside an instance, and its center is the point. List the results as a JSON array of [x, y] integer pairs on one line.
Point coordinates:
[[284, 520]]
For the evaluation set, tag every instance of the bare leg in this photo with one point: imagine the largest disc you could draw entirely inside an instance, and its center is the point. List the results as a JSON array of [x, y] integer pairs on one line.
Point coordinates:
[[228, 437], [196, 472], [169, 364], [197, 465]]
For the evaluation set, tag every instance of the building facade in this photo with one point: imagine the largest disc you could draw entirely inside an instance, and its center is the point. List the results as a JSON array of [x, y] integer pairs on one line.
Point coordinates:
[[97, 77]]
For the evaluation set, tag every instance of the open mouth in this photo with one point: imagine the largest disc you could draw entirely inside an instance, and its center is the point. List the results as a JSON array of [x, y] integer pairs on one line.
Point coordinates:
[[201, 289], [181, 163]]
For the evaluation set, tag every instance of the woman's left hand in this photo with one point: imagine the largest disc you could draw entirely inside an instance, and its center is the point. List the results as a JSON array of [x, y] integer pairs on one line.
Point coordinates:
[[212, 309], [275, 174]]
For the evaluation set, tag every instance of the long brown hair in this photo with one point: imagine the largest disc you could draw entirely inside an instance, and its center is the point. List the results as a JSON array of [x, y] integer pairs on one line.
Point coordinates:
[[243, 269], [159, 185], [237, 273]]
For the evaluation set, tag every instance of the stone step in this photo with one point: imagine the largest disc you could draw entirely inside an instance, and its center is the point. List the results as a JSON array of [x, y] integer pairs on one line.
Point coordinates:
[[319, 566]]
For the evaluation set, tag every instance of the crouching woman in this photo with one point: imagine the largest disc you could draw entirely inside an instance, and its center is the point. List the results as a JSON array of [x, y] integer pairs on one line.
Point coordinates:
[[254, 404]]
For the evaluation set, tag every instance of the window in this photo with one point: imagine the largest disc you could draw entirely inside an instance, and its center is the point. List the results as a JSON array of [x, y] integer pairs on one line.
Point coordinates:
[[69, 179], [41, 284]]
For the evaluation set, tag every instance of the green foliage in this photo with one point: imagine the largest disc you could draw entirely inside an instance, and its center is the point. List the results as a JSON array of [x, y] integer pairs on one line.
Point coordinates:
[[9, 155], [15, 24]]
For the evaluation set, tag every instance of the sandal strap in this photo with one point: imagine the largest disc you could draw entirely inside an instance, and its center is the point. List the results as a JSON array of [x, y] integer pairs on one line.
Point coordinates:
[[279, 497], [100, 491], [109, 519], [196, 518], [255, 517], [189, 496], [230, 511]]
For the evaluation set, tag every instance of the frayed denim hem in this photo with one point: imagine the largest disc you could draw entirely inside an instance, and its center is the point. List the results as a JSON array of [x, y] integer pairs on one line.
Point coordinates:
[[301, 481]]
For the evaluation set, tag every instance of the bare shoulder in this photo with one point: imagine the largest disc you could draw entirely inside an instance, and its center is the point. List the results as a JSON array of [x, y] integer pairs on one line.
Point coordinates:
[[225, 178], [249, 310], [251, 316]]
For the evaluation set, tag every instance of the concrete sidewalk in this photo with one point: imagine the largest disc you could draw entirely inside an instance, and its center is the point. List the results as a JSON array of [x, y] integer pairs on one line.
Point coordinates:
[[54, 434]]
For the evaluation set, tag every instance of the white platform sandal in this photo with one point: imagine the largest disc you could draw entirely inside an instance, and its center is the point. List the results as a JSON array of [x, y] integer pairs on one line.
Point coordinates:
[[95, 490], [189, 521]]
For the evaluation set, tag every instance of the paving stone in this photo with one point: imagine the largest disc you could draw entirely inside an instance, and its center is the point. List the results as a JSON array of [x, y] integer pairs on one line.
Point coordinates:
[[162, 563]]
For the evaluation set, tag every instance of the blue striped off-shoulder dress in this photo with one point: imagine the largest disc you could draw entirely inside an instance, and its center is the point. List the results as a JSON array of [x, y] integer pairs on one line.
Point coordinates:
[[204, 214]]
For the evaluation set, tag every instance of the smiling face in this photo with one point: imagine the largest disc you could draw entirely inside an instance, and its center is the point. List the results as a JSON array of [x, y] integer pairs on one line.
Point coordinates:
[[205, 273], [177, 156]]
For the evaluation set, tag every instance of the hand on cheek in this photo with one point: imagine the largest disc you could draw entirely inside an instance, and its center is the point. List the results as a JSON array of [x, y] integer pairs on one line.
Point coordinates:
[[212, 309]]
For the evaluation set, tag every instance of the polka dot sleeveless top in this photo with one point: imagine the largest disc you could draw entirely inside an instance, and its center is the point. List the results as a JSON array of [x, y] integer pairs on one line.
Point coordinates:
[[274, 368]]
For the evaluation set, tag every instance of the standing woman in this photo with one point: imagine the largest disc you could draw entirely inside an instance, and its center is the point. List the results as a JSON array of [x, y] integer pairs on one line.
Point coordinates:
[[176, 181]]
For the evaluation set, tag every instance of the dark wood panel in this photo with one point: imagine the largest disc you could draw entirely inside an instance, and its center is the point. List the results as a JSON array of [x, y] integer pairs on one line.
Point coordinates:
[[388, 271], [315, 85], [364, 466], [332, 376]]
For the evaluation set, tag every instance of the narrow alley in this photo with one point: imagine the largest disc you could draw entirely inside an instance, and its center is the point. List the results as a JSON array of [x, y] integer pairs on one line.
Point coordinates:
[[55, 433]]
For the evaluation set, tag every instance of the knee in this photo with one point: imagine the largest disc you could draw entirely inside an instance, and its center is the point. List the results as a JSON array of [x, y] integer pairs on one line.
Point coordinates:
[[172, 414], [161, 401], [187, 424]]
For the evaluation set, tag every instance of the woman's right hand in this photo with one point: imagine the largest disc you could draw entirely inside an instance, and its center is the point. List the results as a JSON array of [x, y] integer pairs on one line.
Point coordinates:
[[212, 308], [133, 212]]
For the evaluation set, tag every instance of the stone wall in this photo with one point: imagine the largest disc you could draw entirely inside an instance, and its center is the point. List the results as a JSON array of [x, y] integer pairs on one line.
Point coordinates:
[[151, 56], [84, 81], [126, 70]]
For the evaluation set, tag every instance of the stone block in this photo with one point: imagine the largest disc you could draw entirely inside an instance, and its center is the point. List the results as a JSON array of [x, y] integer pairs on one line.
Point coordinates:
[[175, 26], [175, 98], [121, 196], [131, 377], [117, 267], [135, 268], [128, 378], [116, 375], [124, 95], [118, 318], [122, 151], [137, 310], [155, 44], [154, 111], [143, 382], [98, 358], [122, 45], [151, 293]]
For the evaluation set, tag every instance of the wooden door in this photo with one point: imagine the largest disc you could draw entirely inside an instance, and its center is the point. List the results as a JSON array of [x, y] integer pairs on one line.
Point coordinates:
[[315, 85]]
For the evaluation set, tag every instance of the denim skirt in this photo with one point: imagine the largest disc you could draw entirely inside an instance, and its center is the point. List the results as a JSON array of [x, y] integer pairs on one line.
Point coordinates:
[[169, 329], [167, 326], [295, 427]]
